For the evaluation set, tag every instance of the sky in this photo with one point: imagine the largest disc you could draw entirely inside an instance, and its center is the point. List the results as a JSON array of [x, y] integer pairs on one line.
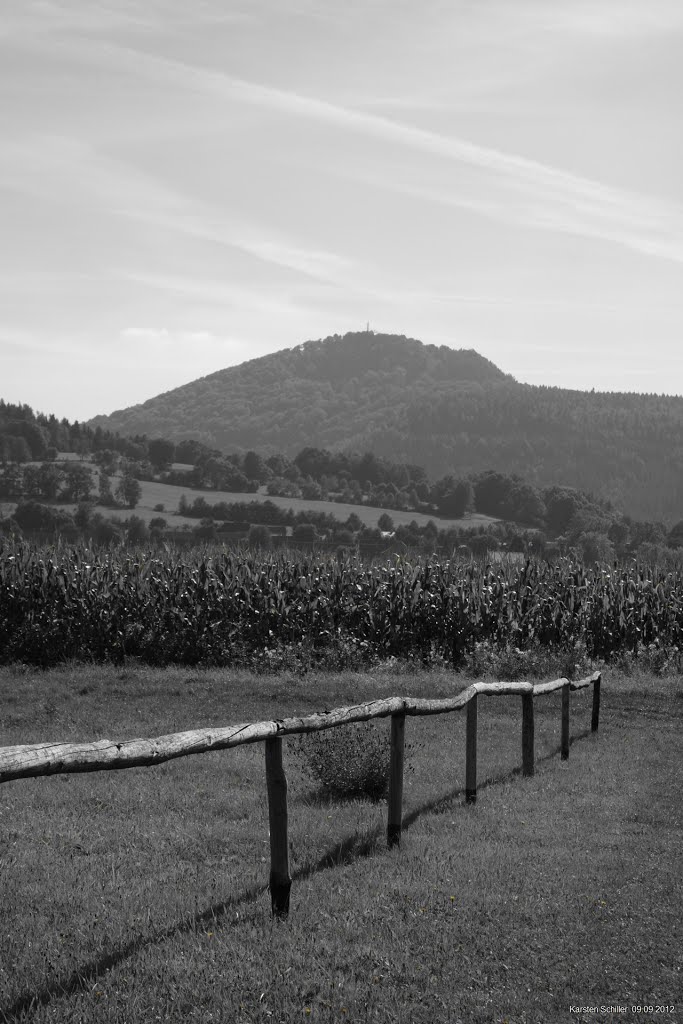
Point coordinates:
[[185, 186]]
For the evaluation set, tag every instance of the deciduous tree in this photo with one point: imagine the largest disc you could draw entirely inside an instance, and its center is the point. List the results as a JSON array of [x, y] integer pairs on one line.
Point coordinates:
[[77, 482], [129, 490]]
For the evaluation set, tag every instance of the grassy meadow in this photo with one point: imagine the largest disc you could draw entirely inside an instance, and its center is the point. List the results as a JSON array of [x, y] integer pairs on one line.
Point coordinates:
[[154, 493], [142, 895]]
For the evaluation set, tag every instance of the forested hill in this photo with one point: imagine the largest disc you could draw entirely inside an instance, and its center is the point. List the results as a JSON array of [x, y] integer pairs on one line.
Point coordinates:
[[451, 411]]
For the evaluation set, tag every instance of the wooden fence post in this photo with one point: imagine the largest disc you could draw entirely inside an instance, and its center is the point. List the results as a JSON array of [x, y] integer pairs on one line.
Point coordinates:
[[528, 734], [276, 781], [595, 718], [565, 722], [471, 763], [395, 801]]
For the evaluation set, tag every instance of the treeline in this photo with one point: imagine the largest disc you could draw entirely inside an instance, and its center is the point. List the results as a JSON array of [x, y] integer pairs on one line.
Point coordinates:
[[562, 515], [587, 535], [70, 482], [261, 525], [27, 436], [557, 517], [313, 474]]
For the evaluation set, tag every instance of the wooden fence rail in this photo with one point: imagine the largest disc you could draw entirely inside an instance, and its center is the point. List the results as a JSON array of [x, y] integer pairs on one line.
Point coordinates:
[[36, 759]]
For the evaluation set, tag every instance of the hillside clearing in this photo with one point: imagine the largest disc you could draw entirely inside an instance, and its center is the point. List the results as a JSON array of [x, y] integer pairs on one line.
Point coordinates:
[[154, 493]]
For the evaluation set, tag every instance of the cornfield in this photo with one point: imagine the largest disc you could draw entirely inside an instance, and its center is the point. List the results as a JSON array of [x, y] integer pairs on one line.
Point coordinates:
[[220, 608]]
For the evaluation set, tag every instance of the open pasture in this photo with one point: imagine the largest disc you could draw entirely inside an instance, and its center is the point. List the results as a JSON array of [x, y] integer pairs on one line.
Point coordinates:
[[142, 895]]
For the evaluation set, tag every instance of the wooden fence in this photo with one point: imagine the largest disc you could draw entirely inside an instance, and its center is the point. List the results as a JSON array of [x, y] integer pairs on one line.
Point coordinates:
[[30, 760]]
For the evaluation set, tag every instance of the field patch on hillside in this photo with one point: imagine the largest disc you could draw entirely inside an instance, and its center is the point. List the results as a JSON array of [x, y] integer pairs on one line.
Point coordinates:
[[154, 493]]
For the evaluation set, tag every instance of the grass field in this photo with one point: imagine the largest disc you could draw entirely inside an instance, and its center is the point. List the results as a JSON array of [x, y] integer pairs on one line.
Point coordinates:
[[141, 895], [168, 495]]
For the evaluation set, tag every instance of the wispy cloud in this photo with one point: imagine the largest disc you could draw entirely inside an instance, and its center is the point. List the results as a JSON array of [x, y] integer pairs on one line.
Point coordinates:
[[45, 17], [212, 292], [542, 196], [72, 172], [100, 17], [511, 188], [154, 335], [32, 281], [643, 225], [602, 18]]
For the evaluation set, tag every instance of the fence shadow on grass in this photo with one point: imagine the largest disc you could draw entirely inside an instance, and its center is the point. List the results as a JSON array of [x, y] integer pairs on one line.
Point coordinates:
[[84, 976], [493, 780], [352, 848]]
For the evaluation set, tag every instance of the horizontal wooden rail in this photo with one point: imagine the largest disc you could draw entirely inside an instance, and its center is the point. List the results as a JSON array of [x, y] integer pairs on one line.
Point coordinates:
[[35, 759]]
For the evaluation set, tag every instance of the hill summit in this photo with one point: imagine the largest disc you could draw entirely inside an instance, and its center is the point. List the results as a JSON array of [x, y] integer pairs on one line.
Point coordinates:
[[282, 400], [448, 410]]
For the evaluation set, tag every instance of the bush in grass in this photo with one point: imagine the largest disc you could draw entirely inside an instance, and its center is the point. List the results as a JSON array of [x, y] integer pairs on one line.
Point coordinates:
[[351, 761]]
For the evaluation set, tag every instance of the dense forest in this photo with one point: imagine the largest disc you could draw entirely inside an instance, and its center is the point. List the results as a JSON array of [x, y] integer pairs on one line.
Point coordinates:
[[554, 519], [448, 411]]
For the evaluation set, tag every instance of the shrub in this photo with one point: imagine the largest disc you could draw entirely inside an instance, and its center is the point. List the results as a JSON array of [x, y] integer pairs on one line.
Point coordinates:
[[104, 531], [259, 537], [136, 530], [351, 761], [9, 527], [206, 530], [596, 547], [82, 514], [32, 516], [305, 531]]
